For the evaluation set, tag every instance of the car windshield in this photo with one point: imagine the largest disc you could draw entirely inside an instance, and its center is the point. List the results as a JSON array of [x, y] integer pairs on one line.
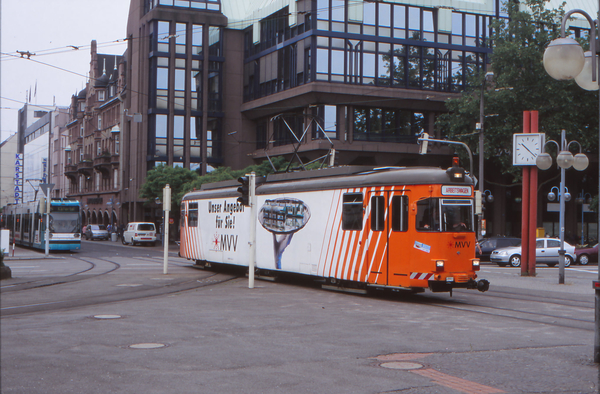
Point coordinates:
[[101, 227]]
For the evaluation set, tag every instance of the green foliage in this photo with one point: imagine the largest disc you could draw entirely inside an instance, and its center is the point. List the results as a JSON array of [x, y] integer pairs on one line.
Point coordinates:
[[226, 173], [182, 180], [520, 83], [159, 176]]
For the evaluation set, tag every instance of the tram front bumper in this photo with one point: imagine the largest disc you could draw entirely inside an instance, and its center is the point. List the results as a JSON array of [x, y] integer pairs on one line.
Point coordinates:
[[439, 286]]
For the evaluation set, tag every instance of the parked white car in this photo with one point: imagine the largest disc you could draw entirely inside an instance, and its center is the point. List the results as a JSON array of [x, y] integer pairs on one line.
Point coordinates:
[[546, 251], [139, 232]]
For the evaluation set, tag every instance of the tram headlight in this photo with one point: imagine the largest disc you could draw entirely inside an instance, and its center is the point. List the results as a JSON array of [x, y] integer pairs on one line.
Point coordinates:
[[439, 265], [476, 264]]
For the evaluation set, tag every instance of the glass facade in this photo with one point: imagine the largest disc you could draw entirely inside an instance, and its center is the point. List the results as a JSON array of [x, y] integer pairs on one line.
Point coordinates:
[[370, 44], [179, 117]]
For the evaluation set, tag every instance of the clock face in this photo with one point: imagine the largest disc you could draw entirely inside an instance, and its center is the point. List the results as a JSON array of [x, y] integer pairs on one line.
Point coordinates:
[[526, 148]]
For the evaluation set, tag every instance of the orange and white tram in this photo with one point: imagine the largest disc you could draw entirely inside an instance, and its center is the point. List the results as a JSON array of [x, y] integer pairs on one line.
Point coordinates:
[[401, 228]]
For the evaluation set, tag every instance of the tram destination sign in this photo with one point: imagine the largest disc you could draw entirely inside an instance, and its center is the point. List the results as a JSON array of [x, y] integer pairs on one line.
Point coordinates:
[[456, 191]]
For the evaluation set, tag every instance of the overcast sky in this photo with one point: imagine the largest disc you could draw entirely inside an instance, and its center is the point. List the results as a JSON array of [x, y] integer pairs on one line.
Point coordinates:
[[48, 29]]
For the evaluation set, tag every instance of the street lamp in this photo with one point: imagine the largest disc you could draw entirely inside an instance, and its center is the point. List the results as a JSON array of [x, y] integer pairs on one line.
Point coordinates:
[[592, 82], [553, 196], [487, 196], [564, 159]]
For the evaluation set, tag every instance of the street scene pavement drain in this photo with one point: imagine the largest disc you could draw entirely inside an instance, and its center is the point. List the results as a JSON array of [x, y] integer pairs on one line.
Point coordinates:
[[147, 345], [401, 365]]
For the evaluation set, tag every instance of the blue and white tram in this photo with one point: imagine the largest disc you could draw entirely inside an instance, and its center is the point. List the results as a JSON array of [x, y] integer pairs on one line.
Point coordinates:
[[27, 224]]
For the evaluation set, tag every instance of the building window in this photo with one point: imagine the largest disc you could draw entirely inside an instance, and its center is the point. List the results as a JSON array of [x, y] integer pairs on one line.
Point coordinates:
[[99, 122], [214, 41], [178, 151], [179, 84], [162, 82], [101, 95], [213, 138], [162, 36], [115, 179], [196, 85], [214, 86], [195, 139], [160, 136], [180, 37], [197, 40]]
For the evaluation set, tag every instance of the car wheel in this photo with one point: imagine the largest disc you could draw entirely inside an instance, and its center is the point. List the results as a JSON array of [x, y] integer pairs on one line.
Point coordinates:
[[551, 264], [583, 259], [515, 260], [568, 261], [123, 241]]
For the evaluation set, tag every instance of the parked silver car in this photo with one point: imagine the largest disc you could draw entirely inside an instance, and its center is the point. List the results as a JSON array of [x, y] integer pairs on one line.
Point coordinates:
[[546, 251], [95, 231]]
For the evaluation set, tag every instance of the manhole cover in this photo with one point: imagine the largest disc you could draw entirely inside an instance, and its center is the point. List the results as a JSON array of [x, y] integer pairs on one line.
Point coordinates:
[[147, 345], [401, 365], [107, 316]]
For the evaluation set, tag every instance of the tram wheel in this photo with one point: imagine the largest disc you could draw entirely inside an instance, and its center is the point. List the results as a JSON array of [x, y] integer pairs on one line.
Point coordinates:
[[515, 260]]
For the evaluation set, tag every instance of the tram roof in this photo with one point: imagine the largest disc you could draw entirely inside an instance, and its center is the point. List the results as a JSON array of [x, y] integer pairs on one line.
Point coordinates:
[[332, 178]]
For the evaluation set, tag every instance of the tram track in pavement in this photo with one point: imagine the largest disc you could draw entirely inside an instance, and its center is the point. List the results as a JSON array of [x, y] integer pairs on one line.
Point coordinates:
[[69, 291], [60, 280], [565, 313]]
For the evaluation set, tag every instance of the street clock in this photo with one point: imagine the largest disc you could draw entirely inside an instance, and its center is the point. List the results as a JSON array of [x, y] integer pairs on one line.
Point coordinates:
[[527, 147]]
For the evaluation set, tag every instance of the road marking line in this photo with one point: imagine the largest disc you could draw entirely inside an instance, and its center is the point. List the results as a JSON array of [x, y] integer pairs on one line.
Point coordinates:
[[26, 306]]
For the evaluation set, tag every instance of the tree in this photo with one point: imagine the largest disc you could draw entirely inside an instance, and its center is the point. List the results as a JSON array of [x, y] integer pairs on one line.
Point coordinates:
[[159, 176], [520, 83], [182, 180], [226, 173]]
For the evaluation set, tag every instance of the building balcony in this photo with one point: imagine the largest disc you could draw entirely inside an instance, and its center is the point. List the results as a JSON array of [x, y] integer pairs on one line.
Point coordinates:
[[102, 164], [114, 160], [71, 172], [85, 167]]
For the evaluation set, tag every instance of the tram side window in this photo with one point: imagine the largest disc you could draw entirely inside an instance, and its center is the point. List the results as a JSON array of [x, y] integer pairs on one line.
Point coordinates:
[[352, 211], [26, 222], [400, 213], [182, 215], [193, 214], [428, 215], [377, 213]]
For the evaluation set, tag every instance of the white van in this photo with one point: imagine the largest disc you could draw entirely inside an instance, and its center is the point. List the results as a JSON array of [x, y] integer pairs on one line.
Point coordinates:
[[139, 232]]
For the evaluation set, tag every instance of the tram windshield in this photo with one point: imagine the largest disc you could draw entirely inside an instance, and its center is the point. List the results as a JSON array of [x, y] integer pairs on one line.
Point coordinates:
[[443, 214], [65, 222]]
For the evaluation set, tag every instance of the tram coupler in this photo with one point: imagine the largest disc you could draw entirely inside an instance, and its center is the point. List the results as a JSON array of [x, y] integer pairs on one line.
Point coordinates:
[[481, 285]]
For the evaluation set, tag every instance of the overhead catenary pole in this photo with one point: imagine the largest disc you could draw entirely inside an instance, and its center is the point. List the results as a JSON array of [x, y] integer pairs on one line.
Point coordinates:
[[252, 252], [166, 208]]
